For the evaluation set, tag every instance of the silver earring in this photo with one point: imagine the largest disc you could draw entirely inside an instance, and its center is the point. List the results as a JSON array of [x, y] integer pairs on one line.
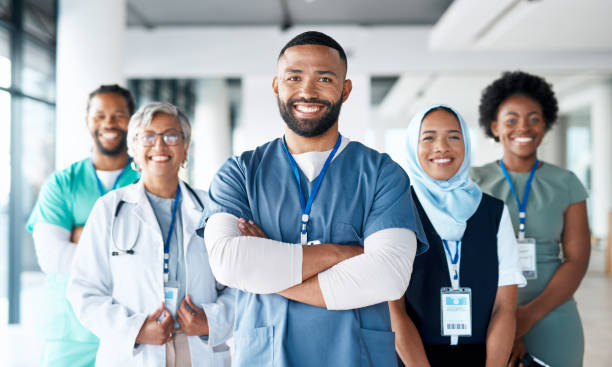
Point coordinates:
[[185, 163], [134, 166]]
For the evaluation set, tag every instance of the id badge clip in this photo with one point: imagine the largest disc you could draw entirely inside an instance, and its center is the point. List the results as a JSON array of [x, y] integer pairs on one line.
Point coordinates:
[[456, 307], [171, 298], [527, 257]]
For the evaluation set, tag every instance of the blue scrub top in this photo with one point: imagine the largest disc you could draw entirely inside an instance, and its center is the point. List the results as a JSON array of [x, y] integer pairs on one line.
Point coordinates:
[[362, 192]]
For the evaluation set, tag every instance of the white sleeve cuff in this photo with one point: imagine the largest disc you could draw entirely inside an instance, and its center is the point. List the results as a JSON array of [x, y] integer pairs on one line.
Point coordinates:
[[53, 248], [253, 264], [507, 253], [380, 274]]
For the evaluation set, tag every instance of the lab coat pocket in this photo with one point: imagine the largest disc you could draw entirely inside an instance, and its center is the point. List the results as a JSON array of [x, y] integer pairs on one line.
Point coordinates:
[[345, 233], [254, 347], [378, 348]]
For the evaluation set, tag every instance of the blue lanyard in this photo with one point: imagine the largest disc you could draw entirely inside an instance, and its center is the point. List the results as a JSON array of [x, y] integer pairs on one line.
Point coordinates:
[[522, 206], [100, 186], [169, 235], [454, 259], [306, 205]]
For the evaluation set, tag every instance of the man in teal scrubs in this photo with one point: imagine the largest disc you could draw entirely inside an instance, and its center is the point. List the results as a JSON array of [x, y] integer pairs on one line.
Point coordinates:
[[61, 211]]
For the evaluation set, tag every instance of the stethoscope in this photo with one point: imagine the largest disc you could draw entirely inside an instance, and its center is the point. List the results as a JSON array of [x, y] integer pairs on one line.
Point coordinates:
[[130, 251]]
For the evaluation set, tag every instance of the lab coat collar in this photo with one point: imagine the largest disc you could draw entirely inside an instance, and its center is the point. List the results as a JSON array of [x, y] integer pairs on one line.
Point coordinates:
[[135, 194], [190, 209]]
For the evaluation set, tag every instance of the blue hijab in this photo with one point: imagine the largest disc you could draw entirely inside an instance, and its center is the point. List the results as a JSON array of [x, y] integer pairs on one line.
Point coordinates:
[[448, 204]]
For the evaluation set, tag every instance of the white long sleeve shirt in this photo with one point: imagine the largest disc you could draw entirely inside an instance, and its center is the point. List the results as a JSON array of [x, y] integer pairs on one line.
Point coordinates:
[[266, 266]]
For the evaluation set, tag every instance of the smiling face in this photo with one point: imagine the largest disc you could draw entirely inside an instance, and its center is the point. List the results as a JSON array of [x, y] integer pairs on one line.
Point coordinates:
[[310, 88], [160, 160], [107, 120], [441, 148], [520, 126]]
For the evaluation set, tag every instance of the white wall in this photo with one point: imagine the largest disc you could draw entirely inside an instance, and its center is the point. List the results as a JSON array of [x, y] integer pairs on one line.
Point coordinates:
[[90, 40]]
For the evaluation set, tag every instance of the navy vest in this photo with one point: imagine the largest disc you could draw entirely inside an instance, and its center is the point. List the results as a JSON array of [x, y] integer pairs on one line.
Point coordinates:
[[478, 271]]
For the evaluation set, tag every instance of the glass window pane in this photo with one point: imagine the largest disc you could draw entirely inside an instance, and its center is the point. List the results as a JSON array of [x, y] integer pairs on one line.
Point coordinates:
[[5, 59], [5, 9], [37, 163], [5, 166], [39, 20], [38, 71]]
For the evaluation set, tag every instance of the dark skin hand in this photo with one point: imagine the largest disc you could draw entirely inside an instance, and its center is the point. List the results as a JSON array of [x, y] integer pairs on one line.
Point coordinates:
[[191, 318], [75, 236], [249, 228], [156, 332], [518, 350]]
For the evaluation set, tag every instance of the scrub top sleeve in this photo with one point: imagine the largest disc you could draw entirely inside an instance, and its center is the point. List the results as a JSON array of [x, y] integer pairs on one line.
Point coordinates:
[[576, 190], [392, 206], [227, 193], [51, 206]]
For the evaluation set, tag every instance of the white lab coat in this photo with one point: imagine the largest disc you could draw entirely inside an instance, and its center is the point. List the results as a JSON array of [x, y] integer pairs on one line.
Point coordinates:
[[113, 295]]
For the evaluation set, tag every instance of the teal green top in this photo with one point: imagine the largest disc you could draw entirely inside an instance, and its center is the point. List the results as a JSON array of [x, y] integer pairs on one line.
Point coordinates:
[[65, 200], [557, 338], [67, 197], [553, 190]]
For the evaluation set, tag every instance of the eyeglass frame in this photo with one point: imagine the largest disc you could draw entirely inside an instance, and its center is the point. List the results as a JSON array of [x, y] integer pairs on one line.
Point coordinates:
[[163, 136]]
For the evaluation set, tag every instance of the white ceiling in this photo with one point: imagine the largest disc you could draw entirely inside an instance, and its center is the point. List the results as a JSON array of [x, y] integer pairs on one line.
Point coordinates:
[[155, 13], [522, 25]]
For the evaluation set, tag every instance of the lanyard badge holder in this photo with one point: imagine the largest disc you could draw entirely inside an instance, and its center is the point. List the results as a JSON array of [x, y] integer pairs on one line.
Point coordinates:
[[526, 246], [307, 205], [455, 302], [170, 288]]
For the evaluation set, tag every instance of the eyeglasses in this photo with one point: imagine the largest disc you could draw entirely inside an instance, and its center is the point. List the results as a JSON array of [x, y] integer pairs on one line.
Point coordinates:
[[170, 138]]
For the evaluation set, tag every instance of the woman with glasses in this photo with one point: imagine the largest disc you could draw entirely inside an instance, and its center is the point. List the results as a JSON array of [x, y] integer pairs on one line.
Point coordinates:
[[141, 279]]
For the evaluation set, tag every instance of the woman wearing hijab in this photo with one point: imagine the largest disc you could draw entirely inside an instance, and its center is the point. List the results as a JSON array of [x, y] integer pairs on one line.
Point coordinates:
[[460, 305]]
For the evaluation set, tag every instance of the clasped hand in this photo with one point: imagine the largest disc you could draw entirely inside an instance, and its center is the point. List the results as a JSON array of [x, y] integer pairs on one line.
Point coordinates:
[[191, 319]]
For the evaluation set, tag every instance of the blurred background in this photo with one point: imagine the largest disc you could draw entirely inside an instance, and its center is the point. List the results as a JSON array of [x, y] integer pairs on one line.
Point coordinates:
[[215, 59]]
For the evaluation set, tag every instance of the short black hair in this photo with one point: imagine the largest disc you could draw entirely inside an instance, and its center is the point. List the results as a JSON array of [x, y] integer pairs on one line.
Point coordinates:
[[513, 83], [314, 38], [114, 88]]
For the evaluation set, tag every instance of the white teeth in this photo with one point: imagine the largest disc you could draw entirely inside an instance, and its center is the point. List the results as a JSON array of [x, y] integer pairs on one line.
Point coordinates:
[[160, 158], [442, 160], [306, 109], [523, 139], [109, 135]]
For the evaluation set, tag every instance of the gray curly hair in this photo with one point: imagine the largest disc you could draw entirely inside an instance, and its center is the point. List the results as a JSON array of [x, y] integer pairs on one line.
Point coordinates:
[[145, 114]]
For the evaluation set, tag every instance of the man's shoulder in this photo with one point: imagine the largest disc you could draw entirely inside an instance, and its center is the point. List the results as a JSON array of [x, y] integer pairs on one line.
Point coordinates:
[[372, 157], [65, 176], [250, 159]]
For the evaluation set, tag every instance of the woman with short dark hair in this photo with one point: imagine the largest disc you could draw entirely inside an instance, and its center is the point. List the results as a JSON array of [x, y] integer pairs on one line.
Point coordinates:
[[548, 209]]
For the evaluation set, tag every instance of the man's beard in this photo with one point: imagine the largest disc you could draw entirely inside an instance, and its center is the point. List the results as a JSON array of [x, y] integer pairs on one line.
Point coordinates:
[[113, 152], [309, 127]]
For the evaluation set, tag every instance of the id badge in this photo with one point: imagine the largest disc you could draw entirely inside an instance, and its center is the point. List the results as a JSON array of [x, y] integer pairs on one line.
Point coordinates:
[[171, 299], [456, 305], [527, 257]]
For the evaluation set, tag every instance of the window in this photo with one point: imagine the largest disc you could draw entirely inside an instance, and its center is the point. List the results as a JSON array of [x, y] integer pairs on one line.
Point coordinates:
[[27, 115]]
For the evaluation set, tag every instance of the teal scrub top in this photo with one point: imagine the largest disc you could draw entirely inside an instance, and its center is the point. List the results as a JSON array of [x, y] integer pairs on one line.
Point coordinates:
[[65, 200]]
